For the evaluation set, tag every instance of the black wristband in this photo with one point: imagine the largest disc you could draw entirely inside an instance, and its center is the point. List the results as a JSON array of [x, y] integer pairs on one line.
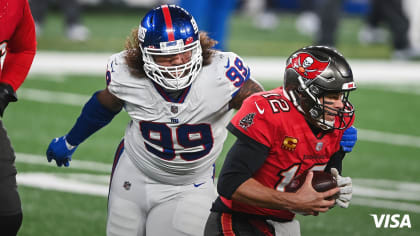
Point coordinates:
[[7, 94]]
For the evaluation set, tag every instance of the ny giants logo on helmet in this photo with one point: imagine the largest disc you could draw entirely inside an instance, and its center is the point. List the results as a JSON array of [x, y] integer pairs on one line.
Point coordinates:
[[307, 65]]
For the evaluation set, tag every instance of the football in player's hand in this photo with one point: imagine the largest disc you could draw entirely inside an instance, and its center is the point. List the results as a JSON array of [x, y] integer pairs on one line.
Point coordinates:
[[321, 182]]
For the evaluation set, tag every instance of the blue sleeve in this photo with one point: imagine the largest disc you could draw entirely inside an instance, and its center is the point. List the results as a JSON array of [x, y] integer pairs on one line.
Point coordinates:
[[94, 116]]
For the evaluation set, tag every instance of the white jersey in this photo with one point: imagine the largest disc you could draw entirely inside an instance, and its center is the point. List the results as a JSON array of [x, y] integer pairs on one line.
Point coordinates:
[[176, 141]]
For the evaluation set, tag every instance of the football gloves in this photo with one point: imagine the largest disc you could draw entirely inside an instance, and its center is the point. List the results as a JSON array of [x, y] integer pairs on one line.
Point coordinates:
[[7, 94], [346, 189], [60, 151], [349, 139]]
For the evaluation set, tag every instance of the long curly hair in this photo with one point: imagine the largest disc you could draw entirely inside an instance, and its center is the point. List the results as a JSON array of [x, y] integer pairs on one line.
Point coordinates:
[[134, 58]]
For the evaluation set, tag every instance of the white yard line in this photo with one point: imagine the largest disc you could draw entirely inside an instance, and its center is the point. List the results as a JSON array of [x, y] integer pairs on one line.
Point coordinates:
[[412, 195], [386, 204], [59, 183], [262, 68], [52, 97], [389, 138], [75, 164]]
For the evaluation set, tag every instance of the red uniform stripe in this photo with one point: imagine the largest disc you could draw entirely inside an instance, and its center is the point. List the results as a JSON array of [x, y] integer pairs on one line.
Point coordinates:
[[168, 21], [262, 226], [226, 220]]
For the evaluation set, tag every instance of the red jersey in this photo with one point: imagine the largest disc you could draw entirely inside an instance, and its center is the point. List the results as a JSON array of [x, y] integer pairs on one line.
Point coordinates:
[[272, 120], [17, 41]]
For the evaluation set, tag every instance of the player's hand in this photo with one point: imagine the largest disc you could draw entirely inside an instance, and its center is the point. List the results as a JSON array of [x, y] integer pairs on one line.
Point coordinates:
[[307, 201], [7, 94], [60, 151], [346, 189], [349, 139]]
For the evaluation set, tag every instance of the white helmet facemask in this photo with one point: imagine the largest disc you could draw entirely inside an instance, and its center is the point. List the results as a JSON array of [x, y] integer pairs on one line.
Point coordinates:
[[173, 77]]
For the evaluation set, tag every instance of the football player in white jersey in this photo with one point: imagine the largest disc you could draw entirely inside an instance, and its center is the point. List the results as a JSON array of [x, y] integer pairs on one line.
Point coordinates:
[[179, 94]]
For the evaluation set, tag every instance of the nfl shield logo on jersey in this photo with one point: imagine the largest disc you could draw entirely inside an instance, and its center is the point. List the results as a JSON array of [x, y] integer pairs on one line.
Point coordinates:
[[127, 185], [318, 146], [247, 121], [174, 109]]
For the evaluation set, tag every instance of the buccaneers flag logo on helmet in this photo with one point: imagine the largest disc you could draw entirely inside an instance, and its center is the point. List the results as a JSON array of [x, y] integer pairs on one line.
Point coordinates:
[[307, 65]]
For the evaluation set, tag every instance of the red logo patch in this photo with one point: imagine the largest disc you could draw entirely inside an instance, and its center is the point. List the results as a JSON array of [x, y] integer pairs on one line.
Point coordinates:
[[307, 66], [189, 40]]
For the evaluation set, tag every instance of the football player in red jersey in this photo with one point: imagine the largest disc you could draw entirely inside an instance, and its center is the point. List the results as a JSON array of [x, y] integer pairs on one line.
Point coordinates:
[[17, 46], [305, 125]]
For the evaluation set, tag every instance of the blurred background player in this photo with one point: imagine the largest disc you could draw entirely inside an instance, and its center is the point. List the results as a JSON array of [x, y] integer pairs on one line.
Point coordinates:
[[179, 94], [18, 46], [213, 16], [280, 134], [75, 30], [392, 14]]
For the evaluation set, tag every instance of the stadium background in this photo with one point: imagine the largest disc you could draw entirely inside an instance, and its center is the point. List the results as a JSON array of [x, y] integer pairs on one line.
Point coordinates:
[[72, 201]]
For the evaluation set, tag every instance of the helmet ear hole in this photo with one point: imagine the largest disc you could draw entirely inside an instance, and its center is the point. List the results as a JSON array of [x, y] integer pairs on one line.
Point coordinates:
[[315, 90], [315, 113]]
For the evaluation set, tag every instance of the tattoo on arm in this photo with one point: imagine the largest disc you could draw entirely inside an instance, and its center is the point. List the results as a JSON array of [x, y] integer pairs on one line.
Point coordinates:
[[250, 86]]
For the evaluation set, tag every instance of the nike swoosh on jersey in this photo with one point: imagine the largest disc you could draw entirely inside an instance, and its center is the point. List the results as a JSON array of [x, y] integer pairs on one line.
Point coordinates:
[[261, 111], [198, 185], [228, 64]]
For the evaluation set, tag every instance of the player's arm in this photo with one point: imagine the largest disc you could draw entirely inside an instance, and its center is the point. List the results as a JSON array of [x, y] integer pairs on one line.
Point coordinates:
[[250, 86], [306, 200], [236, 182], [20, 54], [96, 113], [21, 49]]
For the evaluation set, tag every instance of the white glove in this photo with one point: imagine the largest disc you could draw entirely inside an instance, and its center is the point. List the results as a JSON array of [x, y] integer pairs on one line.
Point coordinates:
[[346, 189]]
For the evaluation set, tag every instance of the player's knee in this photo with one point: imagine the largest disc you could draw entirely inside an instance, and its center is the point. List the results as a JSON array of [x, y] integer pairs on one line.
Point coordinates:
[[124, 217], [10, 224]]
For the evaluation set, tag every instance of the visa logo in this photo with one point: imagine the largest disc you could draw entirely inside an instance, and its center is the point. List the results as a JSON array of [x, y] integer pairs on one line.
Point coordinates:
[[391, 221]]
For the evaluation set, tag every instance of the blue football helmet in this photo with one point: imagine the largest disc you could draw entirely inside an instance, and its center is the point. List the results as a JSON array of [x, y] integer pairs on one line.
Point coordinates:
[[166, 31]]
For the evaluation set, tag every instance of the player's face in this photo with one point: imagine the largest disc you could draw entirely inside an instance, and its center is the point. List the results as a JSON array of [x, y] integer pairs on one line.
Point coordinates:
[[173, 60], [332, 102]]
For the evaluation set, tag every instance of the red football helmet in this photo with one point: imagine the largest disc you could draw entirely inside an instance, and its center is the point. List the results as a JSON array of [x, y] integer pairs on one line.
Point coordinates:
[[311, 73]]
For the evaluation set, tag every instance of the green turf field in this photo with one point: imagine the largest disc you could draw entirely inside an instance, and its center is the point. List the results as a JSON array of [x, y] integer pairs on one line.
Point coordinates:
[[31, 124]]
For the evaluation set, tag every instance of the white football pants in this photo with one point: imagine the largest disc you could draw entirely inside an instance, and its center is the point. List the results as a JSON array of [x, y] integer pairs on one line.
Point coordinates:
[[291, 228], [141, 206]]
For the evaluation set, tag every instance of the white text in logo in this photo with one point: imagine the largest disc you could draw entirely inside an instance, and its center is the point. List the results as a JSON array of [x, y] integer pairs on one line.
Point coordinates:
[[391, 221]]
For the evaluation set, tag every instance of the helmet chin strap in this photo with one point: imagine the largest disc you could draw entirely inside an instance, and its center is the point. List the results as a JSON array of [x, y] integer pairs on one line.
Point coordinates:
[[326, 125]]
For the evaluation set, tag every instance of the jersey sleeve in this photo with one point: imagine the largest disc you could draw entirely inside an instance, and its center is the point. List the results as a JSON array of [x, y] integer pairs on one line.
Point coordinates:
[[234, 71], [119, 80], [21, 49], [254, 121]]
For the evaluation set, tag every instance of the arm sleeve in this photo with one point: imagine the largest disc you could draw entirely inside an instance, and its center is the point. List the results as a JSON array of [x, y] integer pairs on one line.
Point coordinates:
[[255, 134], [20, 51], [93, 117], [336, 161], [244, 158]]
